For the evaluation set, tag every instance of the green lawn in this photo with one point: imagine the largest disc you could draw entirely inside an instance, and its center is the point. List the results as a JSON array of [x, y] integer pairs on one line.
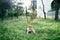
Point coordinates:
[[14, 29]]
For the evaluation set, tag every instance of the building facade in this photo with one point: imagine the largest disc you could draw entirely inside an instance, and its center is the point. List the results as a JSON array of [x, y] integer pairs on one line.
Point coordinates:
[[19, 3], [47, 5], [34, 4]]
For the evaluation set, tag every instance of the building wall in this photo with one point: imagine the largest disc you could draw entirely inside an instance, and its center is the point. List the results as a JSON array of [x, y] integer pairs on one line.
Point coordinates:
[[34, 4], [18, 3]]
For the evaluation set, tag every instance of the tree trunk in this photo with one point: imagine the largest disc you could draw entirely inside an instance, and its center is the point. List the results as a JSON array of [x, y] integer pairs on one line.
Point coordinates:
[[17, 15], [56, 10], [43, 9], [44, 15], [3, 14], [26, 15], [56, 14], [17, 12]]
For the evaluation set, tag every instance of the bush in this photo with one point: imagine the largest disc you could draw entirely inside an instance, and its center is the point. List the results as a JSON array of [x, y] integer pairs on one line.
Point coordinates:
[[13, 12], [21, 12], [33, 15]]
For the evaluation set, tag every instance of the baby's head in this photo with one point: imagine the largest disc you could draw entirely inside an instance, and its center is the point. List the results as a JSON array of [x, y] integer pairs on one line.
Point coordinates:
[[30, 27]]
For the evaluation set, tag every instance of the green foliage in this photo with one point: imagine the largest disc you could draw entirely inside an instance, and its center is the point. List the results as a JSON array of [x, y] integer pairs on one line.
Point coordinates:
[[51, 10], [33, 15], [53, 4], [21, 12], [12, 11], [4, 4]]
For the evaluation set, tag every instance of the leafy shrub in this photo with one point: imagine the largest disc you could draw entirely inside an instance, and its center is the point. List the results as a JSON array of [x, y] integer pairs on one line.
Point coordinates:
[[33, 15]]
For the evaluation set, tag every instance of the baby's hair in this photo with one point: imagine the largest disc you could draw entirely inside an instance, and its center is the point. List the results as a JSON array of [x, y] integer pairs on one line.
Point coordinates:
[[30, 25]]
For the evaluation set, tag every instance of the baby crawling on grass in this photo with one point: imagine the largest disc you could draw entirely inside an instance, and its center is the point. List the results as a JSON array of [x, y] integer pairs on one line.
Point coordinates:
[[30, 30]]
